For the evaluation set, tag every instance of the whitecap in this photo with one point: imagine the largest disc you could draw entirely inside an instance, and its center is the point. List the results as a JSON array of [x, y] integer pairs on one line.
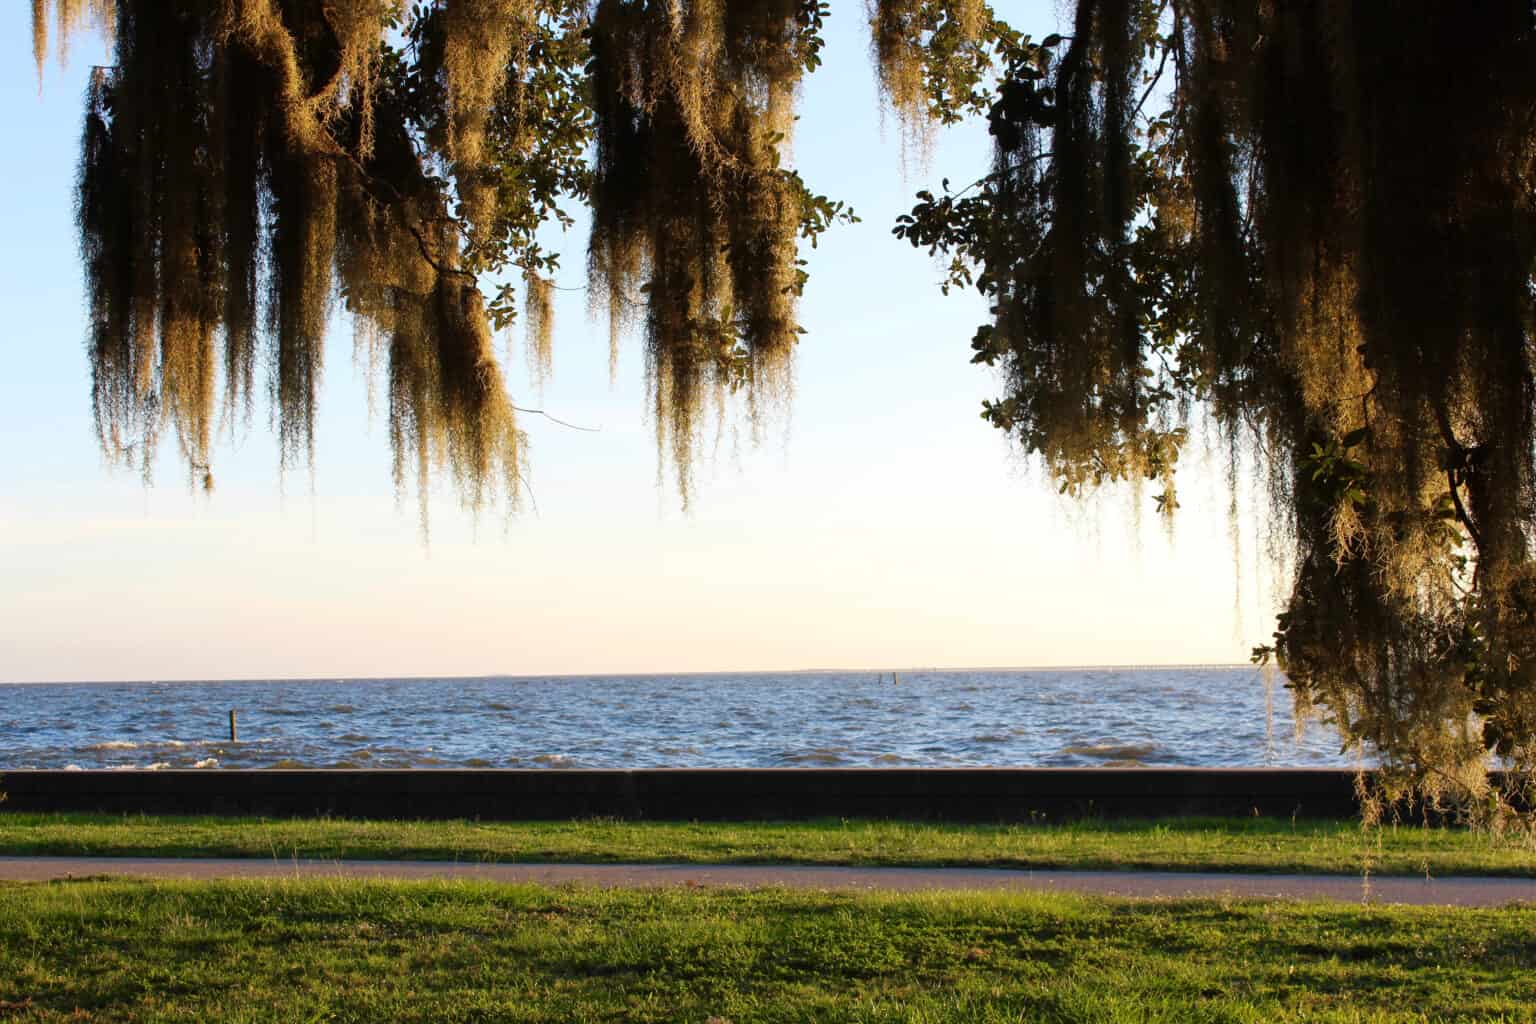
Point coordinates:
[[114, 745], [207, 762]]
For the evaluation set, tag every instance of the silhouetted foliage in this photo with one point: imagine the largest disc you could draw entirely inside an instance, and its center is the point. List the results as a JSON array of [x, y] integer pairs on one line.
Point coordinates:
[[1314, 223]]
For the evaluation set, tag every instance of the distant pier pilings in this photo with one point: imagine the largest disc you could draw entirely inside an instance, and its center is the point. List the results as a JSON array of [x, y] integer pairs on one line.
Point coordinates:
[[696, 794]]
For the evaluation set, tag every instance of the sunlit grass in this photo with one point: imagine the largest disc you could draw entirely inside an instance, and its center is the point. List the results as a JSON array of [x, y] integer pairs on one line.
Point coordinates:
[[456, 951], [1186, 844]]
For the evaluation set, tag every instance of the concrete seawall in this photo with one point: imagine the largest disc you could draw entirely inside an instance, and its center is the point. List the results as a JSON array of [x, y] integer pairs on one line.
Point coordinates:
[[925, 794]]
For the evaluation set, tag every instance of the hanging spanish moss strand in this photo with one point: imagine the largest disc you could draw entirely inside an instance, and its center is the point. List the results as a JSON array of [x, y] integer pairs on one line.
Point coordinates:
[[147, 212], [399, 264], [479, 36], [124, 395], [539, 325], [241, 126], [690, 206], [301, 242], [894, 30], [399, 261], [1068, 330], [929, 58], [40, 37]]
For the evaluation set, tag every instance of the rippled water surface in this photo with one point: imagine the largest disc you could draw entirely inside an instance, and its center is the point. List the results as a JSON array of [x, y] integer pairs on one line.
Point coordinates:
[[1048, 717]]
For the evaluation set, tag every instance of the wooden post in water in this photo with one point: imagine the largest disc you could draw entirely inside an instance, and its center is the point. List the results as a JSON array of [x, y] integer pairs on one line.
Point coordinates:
[[233, 737]]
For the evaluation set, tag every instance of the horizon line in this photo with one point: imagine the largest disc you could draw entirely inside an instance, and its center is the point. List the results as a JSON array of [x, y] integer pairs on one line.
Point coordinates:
[[1136, 666]]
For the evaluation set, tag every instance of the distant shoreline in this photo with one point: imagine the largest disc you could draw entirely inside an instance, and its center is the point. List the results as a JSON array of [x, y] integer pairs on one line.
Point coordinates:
[[692, 673]]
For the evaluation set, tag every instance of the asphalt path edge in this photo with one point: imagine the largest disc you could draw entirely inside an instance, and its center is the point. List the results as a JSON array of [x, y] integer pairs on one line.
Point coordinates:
[[1458, 891]]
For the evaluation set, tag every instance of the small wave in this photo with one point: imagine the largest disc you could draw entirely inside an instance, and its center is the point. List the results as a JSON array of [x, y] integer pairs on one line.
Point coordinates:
[[343, 709], [822, 755], [114, 745], [555, 761], [73, 768], [1112, 751], [496, 706], [989, 737], [157, 766], [207, 762], [477, 762]]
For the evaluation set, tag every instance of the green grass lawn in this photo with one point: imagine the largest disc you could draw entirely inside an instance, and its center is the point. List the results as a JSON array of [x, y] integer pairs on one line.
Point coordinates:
[[453, 951], [1241, 844]]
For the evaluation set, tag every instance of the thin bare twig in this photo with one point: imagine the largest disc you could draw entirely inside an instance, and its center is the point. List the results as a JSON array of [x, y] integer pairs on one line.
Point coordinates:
[[427, 255], [563, 423], [1155, 78], [995, 175]]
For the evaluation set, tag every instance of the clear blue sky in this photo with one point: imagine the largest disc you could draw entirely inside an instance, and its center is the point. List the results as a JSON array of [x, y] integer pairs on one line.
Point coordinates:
[[880, 524]]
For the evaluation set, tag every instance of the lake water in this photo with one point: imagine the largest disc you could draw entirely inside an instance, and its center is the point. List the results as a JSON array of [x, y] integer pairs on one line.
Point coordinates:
[[1039, 717]]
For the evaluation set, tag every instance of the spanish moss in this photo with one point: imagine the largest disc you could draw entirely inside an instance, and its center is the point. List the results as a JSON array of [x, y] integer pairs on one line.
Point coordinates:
[[690, 205], [539, 325], [928, 55], [68, 16], [1315, 225], [244, 166], [251, 168], [479, 36]]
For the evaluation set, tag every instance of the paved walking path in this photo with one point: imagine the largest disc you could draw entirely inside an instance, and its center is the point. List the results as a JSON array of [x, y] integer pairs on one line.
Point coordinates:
[[1459, 891]]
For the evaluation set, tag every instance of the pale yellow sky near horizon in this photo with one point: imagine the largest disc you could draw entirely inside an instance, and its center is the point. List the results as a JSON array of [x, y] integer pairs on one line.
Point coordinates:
[[880, 524], [301, 591]]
